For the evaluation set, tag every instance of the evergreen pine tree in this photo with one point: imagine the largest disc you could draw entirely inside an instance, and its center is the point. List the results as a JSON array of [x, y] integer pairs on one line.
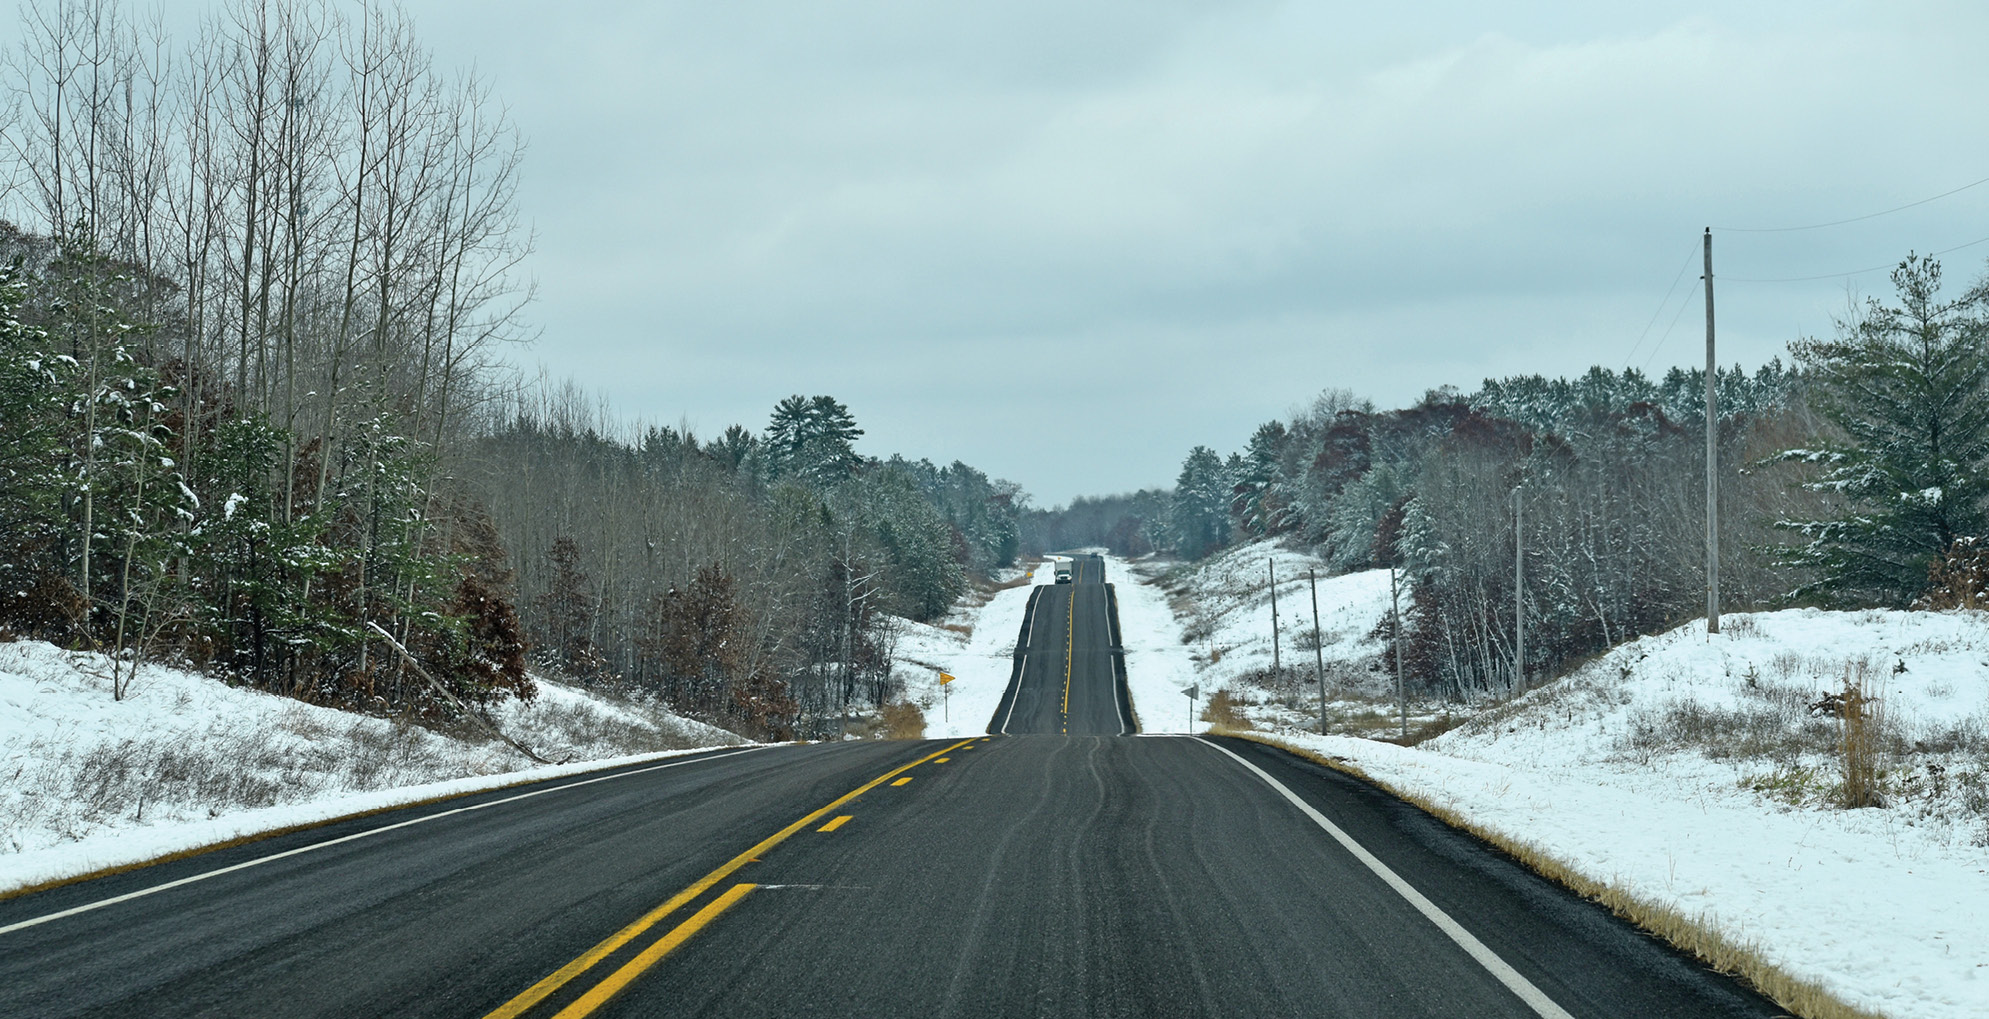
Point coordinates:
[[1201, 503], [1908, 386]]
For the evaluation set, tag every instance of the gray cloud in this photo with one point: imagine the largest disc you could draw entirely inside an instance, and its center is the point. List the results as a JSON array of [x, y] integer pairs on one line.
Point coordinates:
[[1065, 245]]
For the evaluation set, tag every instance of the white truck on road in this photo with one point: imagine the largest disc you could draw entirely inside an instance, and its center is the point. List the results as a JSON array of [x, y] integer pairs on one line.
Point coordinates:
[[1063, 568]]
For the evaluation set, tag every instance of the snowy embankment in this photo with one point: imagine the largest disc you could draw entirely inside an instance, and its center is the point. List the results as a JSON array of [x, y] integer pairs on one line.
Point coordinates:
[[1159, 668], [1694, 774], [185, 761], [975, 644]]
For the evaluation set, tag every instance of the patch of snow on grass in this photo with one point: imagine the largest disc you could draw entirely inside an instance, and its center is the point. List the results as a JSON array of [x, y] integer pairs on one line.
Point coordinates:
[[185, 760]]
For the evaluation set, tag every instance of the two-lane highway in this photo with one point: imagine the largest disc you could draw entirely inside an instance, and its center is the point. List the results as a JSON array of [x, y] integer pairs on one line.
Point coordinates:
[[1042, 876], [1082, 874], [1069, 676]]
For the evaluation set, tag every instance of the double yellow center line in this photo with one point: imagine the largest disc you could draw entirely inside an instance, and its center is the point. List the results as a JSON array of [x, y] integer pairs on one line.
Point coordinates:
[[1071, 617], [1070, 624], [620, 978]]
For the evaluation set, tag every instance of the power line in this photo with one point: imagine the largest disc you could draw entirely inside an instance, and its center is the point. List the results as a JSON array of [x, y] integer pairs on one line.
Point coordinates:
[[1854, 272], [1853, 219], [1689, 294], [1666, 302]]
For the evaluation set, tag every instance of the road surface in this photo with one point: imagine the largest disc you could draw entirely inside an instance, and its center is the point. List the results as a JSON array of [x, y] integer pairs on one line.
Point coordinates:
[[1069, 676], [1032, 874]]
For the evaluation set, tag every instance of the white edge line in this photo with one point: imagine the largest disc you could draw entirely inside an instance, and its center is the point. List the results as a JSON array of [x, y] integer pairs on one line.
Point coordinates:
[[260, 860], [1117, 704], [1028, 630], [1504, 973]]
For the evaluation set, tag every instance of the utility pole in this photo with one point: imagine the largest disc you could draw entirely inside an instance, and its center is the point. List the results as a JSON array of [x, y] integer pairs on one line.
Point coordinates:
[[1518, 593], [1712, 458], [1318, 652], [1272, 566], [1395, 629]]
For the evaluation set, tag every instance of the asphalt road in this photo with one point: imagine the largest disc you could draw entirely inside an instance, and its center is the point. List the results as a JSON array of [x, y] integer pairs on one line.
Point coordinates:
[[1069, 675], [1022, 875]]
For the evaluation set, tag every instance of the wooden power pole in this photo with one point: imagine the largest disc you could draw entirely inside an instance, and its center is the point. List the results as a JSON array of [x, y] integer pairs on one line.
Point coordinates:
[[1319, 647], [1395, 633], [1518, 596], [1712, 458], [1271, 565]]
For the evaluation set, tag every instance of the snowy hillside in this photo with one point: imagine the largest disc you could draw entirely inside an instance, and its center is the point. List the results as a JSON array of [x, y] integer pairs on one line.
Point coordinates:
[[1159, 668], [185, 760], [1704, 777], [1223, 610]]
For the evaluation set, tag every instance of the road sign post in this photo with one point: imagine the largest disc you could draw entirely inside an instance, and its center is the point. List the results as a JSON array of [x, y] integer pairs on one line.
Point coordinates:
[[945, 699], [1192, 691]]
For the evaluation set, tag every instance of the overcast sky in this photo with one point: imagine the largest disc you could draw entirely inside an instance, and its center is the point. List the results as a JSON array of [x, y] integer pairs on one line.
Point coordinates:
[[1066, 242]]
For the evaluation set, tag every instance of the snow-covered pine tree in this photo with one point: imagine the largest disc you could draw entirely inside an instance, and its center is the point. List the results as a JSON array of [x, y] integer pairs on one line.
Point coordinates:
[[828, 453], [787, 430], [1201, 504], [1262, 486], [36, 590], [1907, 385], [812, 440]]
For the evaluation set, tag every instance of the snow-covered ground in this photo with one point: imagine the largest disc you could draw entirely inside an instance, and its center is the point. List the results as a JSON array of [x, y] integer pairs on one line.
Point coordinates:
[[1221, 621], [975, 644], [1692, 773], [1159, 668], [88, 782]]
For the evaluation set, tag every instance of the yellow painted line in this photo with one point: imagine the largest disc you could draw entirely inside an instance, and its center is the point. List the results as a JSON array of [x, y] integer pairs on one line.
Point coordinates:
[[837, 823], [561, 977], [902, 781], [668, 943], [1070, 620], [942, 760]]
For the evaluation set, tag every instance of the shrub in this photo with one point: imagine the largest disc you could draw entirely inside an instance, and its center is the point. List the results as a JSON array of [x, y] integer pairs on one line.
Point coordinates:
[[1860, 726], [1959, 578]]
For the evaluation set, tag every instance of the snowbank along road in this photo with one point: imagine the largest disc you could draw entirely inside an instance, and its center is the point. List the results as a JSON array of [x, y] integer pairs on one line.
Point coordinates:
[[1046, 874]]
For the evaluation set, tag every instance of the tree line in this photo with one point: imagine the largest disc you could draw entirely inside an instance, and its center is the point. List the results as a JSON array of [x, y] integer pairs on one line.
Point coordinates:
[[749, 578], [1855, 475], [257, 290]]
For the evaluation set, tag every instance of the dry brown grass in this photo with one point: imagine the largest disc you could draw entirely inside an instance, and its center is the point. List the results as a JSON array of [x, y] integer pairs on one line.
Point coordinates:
[[1431, 728], [1860, 721], [901, 721], [1027, 577], [1223, 713], [1689, 934]]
